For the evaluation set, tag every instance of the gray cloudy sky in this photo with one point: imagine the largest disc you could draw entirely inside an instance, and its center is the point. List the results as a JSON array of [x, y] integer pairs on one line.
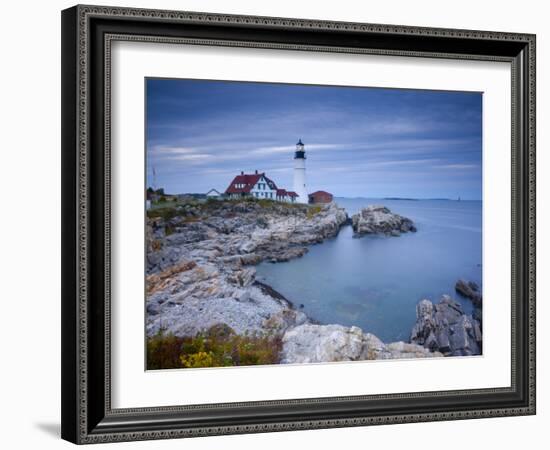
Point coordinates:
[[360, 142]]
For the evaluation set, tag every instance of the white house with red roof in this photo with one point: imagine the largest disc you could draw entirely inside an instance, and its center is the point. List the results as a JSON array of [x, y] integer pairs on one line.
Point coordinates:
[[286, 196], [259, 186]]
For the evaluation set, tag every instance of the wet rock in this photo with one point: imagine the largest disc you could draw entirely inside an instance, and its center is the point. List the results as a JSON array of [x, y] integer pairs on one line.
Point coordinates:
[[469, 289]]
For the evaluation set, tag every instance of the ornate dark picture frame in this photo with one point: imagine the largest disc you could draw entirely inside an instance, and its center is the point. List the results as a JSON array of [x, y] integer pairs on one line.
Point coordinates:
[[87, 34]]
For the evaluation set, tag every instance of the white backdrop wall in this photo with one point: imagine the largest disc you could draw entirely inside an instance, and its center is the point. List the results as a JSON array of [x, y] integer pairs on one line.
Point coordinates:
[[30, 225]]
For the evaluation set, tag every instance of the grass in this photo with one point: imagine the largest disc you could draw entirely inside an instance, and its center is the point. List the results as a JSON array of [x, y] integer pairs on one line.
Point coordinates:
[[169, 210], [313, 211], [217, 347]]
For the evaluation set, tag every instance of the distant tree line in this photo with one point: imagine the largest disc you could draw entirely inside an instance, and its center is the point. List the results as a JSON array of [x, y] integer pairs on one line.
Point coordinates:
[[159, 191]]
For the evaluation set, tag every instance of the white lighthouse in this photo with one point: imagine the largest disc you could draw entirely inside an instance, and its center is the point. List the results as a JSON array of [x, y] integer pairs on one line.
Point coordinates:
[[300, 173]]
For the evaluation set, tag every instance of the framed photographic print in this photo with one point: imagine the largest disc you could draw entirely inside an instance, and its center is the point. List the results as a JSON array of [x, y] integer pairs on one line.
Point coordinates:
[[278, 224]]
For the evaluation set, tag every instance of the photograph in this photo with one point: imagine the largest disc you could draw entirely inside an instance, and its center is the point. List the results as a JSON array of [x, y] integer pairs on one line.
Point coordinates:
[[295, 224], [272, 222]]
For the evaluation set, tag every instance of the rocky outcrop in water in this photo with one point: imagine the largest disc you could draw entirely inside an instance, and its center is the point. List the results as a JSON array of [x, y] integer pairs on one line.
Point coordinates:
[[470, 290], [377, 219], [200, 262], [444, 327], [311, 343]]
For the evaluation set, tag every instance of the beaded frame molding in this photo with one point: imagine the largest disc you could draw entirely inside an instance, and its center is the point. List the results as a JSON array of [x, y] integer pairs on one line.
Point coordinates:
[[87, 35]]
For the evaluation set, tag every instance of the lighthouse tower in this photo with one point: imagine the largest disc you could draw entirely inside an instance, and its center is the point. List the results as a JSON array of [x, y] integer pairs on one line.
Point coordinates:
[[300, 173]]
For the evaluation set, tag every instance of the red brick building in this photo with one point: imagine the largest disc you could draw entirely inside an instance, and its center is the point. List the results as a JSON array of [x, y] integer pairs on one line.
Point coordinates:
[[320, 197]]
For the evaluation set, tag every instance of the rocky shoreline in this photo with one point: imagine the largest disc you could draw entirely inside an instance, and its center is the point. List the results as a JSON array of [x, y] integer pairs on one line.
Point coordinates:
[[201, 275], [200, 264], [444, 327]]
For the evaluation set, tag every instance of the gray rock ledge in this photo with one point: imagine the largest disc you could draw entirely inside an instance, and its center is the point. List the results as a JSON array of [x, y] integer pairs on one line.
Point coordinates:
[[377, 219], [444, 327]]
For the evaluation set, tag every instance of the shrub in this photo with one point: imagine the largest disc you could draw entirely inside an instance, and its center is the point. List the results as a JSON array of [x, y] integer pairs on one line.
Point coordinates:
[[169, 229], [217, 347], [166, 212], [163, 351], [265, 202]]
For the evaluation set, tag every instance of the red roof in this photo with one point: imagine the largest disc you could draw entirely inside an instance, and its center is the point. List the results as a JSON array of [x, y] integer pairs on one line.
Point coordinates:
[[285, 193], [248, 181], [321, 193]]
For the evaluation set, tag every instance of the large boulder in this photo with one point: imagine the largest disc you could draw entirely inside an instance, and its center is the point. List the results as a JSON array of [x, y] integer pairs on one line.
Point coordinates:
[[322, 343], [377, 219], [311, 343], [444, 327]]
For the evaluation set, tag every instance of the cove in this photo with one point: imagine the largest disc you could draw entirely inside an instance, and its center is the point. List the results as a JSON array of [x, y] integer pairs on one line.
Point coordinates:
[[375, 282]]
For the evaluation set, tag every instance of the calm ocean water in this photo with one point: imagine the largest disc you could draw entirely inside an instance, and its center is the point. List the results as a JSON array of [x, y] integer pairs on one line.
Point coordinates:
[[375, 282]]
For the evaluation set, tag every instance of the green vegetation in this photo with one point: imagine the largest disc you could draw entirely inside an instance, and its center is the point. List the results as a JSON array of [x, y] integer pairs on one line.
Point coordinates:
[[313, 211], [167, 212], [170, 209], [218, 347], [169, 229], [265, 202]]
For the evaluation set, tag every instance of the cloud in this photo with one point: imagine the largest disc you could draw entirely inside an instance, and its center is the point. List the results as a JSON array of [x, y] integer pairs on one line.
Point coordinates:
[[289, 149], [200, 134], [167, 150], [196, 157], [457, 166], [400, 162]]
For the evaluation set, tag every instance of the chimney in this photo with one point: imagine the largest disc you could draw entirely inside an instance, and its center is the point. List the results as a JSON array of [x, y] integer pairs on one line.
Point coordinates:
[[256, 171], [242, 173]]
